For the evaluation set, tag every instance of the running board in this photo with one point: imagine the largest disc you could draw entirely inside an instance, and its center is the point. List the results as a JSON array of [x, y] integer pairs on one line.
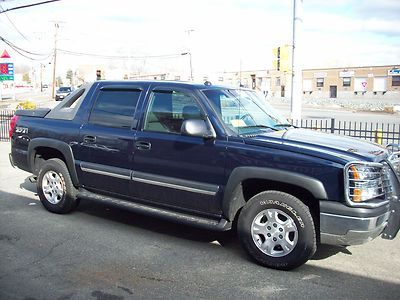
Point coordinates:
[[182, 218]]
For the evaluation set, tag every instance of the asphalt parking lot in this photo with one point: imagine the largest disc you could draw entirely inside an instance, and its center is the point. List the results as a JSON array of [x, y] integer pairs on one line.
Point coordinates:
[[101, 252]]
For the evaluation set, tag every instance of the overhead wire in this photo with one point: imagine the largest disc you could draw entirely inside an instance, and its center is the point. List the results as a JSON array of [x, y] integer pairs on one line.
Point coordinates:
[[26, 6], [26, 53], [12, 23], [75, 53]]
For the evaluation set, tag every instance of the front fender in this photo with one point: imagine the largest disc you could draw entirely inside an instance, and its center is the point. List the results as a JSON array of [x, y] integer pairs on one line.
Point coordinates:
[[233, 198]]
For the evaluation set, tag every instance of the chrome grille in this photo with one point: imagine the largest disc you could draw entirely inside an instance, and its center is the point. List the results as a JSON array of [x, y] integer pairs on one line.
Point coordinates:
[[386, 183]]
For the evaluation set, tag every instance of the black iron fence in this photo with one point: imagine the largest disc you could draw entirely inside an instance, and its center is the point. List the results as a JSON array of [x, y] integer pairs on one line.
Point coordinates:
[[382, 133], [5, 118]]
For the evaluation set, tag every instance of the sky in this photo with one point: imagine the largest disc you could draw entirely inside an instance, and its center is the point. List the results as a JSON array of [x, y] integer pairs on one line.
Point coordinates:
[[221, 35]]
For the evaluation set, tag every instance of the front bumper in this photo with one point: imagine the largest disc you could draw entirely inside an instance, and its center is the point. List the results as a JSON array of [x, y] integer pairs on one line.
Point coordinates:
[[357, 226]]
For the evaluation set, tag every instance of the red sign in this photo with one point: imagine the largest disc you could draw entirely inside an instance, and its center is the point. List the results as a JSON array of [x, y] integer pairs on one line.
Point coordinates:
[[364, 84], [5, 54], [3, 69]]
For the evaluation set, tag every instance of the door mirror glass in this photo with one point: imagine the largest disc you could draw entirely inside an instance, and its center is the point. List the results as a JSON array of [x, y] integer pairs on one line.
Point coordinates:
[[198, 128]]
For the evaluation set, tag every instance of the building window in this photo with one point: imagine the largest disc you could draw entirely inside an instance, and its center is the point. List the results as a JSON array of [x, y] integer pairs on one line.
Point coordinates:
[[346, 81], [395, 80], [320, 82], [220, 79], [177, 78], [278, 81]]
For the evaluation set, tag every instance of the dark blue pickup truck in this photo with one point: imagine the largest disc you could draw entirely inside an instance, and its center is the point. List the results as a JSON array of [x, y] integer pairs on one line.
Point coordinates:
[[215, 157]]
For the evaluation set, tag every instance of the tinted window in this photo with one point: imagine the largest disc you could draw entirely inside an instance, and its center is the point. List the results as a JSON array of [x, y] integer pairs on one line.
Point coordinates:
[[64, 89], [115, 108], [168, 109]]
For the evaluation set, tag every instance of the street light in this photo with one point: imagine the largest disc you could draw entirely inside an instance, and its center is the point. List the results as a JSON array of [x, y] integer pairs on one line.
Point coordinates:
[[190, 62]]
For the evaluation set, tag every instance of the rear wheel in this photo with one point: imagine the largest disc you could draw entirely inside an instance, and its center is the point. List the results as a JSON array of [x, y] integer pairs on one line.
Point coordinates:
[[55, 188], [277, 230]]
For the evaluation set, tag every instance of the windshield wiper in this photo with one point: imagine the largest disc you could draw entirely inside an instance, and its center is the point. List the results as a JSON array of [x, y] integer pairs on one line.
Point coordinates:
[[284, 125], [259, 126]]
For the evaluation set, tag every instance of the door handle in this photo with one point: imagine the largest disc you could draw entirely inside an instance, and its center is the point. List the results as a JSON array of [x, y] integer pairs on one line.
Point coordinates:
[[143, 145], [90, 139]]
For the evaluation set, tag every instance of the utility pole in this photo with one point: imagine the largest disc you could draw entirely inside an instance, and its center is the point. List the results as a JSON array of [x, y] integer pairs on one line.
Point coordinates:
[[296, 86], [41, 77], [56, 26], [189, 31]]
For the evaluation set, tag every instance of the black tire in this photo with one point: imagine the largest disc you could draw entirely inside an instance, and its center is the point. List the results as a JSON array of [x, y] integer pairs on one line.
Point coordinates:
[[299, 240], [63, 201]]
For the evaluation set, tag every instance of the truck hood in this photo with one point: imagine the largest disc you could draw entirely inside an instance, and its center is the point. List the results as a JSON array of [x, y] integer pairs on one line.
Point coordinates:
[[324, 145]]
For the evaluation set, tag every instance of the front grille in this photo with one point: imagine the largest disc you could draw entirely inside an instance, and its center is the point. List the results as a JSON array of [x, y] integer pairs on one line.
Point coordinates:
[[386, 183]]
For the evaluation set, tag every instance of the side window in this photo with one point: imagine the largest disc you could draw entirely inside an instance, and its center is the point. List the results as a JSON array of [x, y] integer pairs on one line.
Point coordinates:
[[168, 109], [115, 108]]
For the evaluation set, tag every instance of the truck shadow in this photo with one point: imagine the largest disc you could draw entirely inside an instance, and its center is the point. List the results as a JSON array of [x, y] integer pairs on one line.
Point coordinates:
[[228, 240]]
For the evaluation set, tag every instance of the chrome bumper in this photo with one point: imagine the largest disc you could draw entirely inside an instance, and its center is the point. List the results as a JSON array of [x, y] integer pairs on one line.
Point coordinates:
[[347, 230]]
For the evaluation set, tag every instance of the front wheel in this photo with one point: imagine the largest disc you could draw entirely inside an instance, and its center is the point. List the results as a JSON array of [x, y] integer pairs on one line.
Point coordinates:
[[277, 230]]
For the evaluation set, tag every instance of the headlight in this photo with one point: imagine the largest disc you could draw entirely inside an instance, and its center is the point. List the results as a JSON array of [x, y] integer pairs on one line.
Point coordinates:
[[365, 184], [394, 160]]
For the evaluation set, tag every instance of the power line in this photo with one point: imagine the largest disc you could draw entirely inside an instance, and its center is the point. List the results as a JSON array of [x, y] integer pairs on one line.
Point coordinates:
[[12, 23], [74, 53], [28, 5], [24, 52]]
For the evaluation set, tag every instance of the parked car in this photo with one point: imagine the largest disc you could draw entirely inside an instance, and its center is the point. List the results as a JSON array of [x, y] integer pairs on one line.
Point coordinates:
[[210, 156], [63, 92]]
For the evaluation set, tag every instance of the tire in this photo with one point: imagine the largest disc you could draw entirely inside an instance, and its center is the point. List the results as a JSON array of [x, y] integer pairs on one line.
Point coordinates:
[[277, 230], [55, 188]]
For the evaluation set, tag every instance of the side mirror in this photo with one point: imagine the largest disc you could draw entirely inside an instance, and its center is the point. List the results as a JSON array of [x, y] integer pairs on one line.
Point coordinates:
[[197, 128]]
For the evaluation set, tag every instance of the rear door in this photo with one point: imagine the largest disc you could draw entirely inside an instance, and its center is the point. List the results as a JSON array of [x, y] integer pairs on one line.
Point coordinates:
[[171, 169], [107, 139]]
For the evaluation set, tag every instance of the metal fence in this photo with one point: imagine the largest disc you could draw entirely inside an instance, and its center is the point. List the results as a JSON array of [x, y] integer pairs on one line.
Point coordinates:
[[382, 133], [5, 117]]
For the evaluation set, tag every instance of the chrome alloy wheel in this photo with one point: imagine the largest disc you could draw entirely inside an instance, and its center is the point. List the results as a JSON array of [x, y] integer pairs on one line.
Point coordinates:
[[274, 232], [53, 187]]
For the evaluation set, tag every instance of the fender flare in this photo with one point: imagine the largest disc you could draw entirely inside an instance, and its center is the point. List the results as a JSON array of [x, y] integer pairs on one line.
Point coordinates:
[[60, 146], [233, 198]]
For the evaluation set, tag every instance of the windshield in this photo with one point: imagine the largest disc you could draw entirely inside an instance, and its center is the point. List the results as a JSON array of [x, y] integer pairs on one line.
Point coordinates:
[[244, 111], [64, 89]]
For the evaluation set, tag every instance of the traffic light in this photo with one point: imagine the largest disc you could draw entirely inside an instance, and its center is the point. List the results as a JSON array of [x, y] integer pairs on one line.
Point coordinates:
[[282, 58], [286, 58], [98, 74], [277, 58]]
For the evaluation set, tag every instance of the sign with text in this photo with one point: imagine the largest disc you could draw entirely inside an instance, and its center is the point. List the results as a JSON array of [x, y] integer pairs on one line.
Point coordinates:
[[346, 74], [6, 71], [394, 72], [320, 75]]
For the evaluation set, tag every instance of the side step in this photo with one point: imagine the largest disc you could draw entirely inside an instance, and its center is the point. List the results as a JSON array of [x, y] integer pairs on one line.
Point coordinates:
[[182, 218]]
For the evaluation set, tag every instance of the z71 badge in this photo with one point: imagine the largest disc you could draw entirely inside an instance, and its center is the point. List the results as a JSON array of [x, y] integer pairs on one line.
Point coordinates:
[[20, 130]]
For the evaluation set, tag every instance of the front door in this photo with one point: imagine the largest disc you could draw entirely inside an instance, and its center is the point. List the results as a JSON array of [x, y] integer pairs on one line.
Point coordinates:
[[333, 91], [171, 169], [107, 141]]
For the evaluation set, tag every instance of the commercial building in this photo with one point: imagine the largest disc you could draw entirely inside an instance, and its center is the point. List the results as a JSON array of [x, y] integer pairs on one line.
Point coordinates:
[[380, 82]]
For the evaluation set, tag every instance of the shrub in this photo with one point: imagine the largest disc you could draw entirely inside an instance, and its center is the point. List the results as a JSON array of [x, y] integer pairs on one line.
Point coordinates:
[[26, 105]]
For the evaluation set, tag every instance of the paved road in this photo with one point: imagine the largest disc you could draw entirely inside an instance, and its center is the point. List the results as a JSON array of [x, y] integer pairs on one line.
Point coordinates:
[[101, 252]]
